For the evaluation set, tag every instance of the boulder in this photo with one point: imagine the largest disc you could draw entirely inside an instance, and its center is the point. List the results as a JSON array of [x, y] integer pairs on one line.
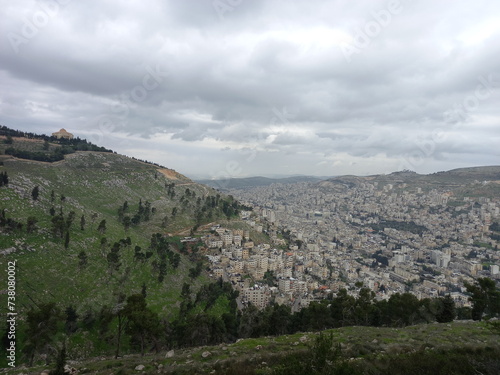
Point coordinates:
[[139, 367], [170, 354], [206, 354], [70, 370]]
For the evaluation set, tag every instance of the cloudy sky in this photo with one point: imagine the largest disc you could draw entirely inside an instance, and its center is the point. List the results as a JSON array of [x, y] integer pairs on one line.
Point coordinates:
[[218, 88]]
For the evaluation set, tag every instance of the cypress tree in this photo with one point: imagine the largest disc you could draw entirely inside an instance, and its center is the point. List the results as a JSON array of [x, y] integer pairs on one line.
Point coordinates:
[[447, 313]]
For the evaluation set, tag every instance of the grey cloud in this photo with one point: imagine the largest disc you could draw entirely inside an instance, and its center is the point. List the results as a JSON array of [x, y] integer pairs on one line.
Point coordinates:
[[229, 73]]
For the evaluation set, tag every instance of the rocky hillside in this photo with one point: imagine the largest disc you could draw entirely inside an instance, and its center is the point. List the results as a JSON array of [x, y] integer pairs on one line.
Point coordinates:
[[85, 231]]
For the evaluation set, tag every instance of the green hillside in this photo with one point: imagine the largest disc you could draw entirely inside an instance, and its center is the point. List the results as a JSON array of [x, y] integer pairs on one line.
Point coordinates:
[[80, 231]]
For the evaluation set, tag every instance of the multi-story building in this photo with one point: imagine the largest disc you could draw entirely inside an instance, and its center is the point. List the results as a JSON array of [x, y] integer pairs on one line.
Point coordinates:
[[257, 296]]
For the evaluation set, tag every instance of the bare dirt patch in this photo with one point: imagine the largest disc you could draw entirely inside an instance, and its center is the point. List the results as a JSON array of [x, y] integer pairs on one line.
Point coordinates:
[[169, 173]]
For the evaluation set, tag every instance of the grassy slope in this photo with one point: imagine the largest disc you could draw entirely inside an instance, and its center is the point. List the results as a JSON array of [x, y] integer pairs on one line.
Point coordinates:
[[92, 183], [369, 345]]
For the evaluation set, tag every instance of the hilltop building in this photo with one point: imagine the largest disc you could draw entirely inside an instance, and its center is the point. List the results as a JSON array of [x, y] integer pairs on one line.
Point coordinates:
[[62, 134]]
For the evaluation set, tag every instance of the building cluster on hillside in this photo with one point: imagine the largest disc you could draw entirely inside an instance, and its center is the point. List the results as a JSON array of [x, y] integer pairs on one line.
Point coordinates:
[[388, 238], [63, 134]]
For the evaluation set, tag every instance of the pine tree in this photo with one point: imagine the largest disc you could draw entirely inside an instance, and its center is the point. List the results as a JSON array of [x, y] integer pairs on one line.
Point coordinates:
[[485, 298], [58, 226], [66, 240], [113, 258], [447, 312], [41, 327], [35, 192], [60, 363], [31, 224], [4, 179], [70, 219], [142, 322], [82, 256], [126, 222], [71, 320], [102, 226]]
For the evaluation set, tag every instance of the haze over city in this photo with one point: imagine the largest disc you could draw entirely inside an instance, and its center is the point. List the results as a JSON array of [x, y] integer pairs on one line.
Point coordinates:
[[240, 88]]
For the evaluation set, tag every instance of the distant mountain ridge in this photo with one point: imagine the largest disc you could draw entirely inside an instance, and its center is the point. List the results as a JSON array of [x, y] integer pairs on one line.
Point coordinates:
[[471, 181], [250, 182], [482, 173], [453, 179]]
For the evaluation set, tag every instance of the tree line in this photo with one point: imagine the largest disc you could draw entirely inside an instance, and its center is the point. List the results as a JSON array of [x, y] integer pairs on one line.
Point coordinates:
[[65, 146], [210, 316]]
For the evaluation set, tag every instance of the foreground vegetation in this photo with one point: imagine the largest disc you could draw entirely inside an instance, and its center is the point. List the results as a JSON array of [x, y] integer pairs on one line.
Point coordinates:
[[210, 316], [452, 348]]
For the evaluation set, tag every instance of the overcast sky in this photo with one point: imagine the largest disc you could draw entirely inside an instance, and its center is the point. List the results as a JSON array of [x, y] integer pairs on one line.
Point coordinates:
[[260, 87]]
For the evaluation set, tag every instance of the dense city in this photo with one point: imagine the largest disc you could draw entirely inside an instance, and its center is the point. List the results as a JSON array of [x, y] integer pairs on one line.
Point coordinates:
[[333, 235]]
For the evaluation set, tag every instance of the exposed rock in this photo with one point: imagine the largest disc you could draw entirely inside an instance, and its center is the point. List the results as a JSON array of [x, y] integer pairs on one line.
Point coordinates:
[[70, 370], [139, 367], [170, 354], [258, 347], [206, 354], [374, 341], [8, 251], [304, 339]]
